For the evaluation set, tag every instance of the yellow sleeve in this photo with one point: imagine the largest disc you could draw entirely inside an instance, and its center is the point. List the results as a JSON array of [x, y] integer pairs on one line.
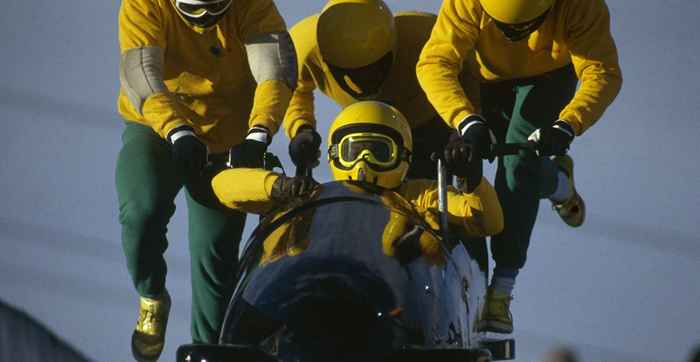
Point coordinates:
[[259, 17], [269, 105], [453, 37], [301, 107], [479, 212], [595, 59], [245, 189], [141, 24], [272, 96]]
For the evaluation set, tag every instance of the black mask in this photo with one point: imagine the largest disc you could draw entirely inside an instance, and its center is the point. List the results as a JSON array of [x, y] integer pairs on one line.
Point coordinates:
[[212, 12], [516, 32], [368, 79]]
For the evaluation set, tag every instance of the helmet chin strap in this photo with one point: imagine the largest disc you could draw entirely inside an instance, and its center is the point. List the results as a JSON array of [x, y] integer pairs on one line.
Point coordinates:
[[363, 177]]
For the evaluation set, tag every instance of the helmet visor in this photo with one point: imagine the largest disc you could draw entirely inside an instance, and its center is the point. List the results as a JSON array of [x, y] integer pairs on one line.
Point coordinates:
[[380, 151], [199, 8]]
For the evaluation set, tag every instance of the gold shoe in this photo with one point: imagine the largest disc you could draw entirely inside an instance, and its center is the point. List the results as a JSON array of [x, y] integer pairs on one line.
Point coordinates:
[[573, 210], [495, 316], [148, 338]]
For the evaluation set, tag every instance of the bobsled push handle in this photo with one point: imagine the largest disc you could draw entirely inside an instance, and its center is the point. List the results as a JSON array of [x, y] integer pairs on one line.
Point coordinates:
[[444, 179], [502, 149], [303, 171]]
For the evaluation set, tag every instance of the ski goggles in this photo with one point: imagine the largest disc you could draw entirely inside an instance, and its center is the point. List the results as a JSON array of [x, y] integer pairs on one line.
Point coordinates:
[[380, 151], [200, 8]]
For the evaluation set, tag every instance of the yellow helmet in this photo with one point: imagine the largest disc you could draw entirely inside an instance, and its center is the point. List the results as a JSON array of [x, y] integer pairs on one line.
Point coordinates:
[[370, 142], [357, 40], [516, 11], [355, 33]]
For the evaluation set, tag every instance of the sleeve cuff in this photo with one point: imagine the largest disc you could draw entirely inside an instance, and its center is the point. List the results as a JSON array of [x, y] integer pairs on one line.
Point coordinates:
[[179, 132], [469, 121], [270, 179], [297, 125], [260, 134], [574, 122]]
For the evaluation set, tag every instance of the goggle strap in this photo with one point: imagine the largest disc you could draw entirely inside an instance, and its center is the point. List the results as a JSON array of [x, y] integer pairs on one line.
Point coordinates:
[[404, 155], [333, 152]]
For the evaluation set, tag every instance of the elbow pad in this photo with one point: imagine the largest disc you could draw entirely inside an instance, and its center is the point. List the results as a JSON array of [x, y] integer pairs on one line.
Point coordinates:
[[141, 74], [272, 57]]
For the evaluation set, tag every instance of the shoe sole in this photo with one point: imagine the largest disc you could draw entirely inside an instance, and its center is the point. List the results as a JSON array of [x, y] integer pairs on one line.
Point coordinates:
[[568, 166], [141, 358], [581, 211], [495, 327]]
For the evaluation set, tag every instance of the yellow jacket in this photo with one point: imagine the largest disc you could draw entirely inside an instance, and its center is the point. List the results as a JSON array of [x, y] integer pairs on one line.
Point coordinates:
[[575, 31], [479, 213], [401, 89], [209, 82]]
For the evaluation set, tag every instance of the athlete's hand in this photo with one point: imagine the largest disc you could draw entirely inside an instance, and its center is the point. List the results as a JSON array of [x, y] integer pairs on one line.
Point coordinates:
[[461, 162], [476, 133], [189, 152], [457, 155], [304, 148], [287, 188], [554, 140], [251, 152]]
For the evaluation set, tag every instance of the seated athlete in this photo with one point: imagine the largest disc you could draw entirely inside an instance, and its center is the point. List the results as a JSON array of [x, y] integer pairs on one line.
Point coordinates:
[[370, 146]]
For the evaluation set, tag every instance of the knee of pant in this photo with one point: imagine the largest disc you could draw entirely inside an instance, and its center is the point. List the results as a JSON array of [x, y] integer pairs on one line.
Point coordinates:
[[213, 263], [144, 215], [521, 174]]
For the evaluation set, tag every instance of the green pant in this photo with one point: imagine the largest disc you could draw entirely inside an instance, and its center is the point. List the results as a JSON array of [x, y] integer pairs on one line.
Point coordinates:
[[147, 182], [515, 109]]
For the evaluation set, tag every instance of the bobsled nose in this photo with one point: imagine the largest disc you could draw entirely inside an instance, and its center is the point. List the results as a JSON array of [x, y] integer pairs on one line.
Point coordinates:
[[341, 312]]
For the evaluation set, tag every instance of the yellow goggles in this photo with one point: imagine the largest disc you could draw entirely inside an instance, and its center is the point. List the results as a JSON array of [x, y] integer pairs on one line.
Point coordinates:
[[199, 8], [377, 149]]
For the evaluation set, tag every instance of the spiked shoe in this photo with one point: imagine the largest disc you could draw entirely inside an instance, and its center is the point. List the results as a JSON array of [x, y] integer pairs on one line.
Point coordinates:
[[148, 338], [495, 316], [573, 210]]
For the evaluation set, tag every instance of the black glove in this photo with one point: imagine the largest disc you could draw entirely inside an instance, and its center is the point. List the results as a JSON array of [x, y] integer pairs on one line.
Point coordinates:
[[554, 140], [287, 188], [464, 154], [189, 152], [476, 133], [457, 154], [200, 188], [251, 152], [304, 148], [407, 248], [460, 162]]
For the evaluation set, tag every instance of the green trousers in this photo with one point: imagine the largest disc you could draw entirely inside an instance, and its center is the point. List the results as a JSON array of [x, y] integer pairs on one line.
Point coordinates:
[[147, 182], [515, 109]]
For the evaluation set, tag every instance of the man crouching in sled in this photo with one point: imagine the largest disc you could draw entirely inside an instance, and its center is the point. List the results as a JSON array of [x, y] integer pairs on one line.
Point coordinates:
[[370, 147]]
